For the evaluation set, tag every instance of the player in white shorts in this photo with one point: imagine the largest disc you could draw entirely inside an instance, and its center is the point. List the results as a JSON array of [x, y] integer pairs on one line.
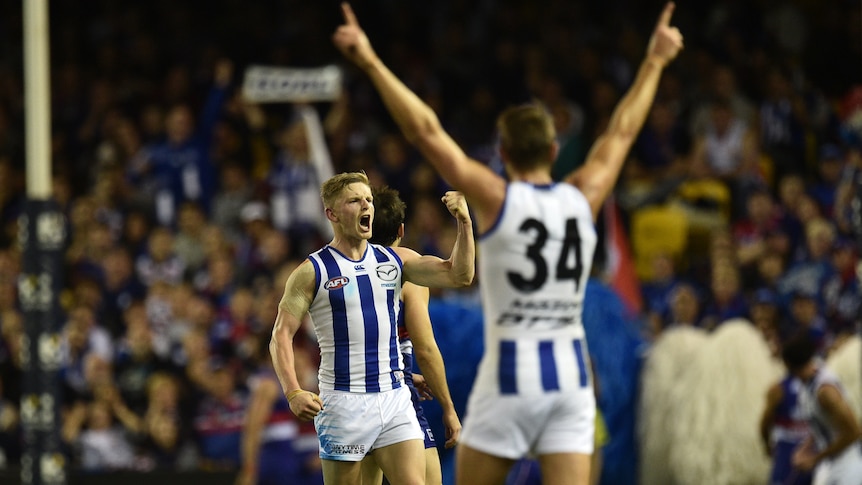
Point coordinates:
[[533, 393], [351, 289], [417, 337]]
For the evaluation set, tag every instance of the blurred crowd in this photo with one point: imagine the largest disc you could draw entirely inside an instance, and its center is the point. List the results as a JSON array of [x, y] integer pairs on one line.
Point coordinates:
[[188, 206]]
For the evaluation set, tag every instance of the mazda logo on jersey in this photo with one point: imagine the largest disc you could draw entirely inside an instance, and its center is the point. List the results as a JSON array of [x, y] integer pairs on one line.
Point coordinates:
[[387, 272], [336, 283]]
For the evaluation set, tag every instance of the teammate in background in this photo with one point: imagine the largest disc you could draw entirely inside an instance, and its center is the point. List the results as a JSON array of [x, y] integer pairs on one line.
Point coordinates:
[[416, 336], [834, 450], [533, 393], [275, 447], [783, 428], [352, 290]]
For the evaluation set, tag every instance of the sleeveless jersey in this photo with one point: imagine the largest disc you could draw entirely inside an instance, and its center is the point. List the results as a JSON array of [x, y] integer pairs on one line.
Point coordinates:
[[534, 264], [355, 312], [790, 424]]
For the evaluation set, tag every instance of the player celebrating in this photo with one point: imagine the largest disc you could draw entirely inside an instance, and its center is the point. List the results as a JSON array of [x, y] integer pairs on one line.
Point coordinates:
[[351, 289], [533, 393]]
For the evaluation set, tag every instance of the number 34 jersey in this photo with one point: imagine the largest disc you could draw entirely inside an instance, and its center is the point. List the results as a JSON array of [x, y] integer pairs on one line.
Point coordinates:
[[534, 264]]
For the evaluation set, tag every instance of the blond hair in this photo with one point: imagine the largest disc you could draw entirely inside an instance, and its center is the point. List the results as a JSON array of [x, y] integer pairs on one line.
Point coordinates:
[[332, 188]]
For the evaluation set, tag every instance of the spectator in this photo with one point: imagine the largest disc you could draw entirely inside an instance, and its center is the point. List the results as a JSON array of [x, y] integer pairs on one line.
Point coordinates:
[[301, 165], [830, 167], [121, 288], [189, 240], [811, 273], [219, 418], [160, 262], [684, 308], [726, 300], [99, 441], [179, 169], [841, 291], [764, 313]]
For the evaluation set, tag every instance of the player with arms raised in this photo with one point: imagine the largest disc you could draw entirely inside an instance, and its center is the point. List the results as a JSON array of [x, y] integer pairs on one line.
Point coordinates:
[[533, 393]]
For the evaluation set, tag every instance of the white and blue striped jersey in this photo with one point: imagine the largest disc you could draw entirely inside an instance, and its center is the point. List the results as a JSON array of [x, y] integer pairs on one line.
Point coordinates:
[[355, 314], [534, 264]]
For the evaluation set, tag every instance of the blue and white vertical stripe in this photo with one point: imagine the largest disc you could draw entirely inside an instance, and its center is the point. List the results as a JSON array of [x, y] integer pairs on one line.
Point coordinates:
[[538, 366], [355, 313]]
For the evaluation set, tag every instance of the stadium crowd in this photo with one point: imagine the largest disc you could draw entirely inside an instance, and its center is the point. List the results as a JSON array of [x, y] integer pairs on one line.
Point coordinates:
[[188, 205]]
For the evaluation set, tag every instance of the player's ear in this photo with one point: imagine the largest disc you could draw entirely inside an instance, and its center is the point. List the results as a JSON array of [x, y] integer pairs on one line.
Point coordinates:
[[401, 231], [331, 215]]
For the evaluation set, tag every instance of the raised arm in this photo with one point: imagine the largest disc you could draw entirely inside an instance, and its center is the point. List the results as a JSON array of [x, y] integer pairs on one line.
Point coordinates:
[[599, 173], [458, 270], [420, 124], [321, 160], [294, 305], [428, 356]]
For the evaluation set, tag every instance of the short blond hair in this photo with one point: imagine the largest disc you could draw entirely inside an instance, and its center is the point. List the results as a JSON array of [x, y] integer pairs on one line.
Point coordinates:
[[332, 188]]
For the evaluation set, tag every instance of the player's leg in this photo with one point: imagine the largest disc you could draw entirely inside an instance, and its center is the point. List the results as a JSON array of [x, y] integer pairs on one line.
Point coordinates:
[[433, 473], [341, 472], [565, 468], [565, 446], [371, 472], [473, 467], [403, 463], [400, 448]]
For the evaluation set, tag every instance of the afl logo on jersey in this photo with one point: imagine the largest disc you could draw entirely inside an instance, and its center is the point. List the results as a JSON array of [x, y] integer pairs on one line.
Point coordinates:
[[387, 272], [336, 283]]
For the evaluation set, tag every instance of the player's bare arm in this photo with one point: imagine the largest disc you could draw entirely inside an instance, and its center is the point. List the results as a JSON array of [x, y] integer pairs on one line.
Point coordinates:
[[484, 189], [259, 409], [294, 305], [767, 418], [428, 356], [459, 269], [842, 419], [599, 173]]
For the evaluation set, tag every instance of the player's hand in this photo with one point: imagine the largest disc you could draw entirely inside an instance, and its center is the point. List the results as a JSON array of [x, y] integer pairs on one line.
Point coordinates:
[[804, 459], [666, 41], [453, 428], [422, 388], [245, 477], [351, 40], [305, 405], [457, 205]]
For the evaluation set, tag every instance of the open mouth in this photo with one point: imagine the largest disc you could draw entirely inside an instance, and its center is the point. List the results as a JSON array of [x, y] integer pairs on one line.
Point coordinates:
[[365, 223]]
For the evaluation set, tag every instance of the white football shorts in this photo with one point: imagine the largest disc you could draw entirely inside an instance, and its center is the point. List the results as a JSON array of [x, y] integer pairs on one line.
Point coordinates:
[[352, 424], [516, 426]]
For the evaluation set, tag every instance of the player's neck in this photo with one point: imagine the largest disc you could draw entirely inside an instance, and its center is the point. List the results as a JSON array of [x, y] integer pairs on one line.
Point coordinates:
[[536, 177], [349, 247]]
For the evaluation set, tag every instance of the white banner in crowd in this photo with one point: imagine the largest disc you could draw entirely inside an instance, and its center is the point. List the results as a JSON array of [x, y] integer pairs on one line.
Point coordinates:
[[278, 84]]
